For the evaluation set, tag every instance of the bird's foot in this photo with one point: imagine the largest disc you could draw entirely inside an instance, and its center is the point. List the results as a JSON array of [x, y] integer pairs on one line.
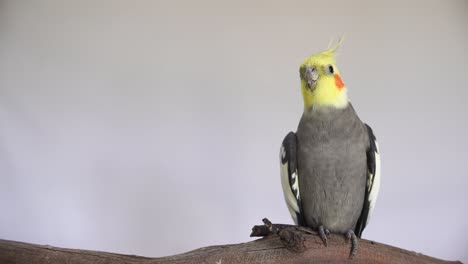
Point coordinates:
[[351, 237], [324, 233]]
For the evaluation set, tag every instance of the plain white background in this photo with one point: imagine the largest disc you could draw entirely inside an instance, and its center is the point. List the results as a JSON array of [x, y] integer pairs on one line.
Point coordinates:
[[128, 126]]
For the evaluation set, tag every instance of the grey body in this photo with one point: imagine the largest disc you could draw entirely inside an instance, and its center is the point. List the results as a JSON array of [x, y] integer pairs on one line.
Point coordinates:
[[332, 164]]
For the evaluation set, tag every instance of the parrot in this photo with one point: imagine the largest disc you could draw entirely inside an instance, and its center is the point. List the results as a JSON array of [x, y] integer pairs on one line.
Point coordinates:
[[330, 168]]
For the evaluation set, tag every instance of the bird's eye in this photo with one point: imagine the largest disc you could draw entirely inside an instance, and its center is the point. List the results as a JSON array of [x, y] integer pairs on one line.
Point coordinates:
[[330, 69]]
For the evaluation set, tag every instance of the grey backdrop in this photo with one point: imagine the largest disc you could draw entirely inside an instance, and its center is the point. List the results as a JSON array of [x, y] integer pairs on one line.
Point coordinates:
[[123, 121]]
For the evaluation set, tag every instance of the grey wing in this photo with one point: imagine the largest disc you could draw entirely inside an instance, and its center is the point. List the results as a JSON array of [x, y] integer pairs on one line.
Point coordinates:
[[289, 178], [372, 183]]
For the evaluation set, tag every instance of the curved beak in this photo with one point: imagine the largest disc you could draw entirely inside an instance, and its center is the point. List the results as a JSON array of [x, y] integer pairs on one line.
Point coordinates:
[[310, 76]]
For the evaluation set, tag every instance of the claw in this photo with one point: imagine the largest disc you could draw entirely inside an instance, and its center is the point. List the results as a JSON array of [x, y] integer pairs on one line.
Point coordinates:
[[351, 237], [323, 233]]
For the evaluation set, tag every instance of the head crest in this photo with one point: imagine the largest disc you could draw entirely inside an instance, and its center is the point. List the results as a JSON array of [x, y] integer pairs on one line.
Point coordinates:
[[327, 56], [333, 48]]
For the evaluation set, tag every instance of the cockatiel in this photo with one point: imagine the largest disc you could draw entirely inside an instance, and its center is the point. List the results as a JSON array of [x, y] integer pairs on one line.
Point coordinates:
[[330, 168]]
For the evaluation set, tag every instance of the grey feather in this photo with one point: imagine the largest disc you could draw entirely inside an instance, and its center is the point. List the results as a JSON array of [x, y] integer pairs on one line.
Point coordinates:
[[332, 164], [290, 177]]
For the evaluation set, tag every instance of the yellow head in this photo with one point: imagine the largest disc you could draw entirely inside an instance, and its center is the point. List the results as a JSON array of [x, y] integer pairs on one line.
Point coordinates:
[[321, 82]]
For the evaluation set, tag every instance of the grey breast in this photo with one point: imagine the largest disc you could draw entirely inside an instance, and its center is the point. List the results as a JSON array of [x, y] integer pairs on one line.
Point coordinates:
[[332, 167]]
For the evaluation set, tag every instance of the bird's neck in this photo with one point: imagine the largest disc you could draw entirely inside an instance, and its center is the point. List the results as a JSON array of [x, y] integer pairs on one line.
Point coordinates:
[[325, 98]]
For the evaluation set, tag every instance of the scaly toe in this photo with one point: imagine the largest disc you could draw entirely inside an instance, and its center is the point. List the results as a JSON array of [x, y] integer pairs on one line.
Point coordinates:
[[350, 236], [323, 233]]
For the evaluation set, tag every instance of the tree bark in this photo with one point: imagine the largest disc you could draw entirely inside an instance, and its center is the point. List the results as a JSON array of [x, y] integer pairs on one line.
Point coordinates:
[[270, 249]]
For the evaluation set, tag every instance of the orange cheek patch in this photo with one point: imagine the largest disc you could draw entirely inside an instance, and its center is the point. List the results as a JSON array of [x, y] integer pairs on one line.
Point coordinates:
[[338, 82]]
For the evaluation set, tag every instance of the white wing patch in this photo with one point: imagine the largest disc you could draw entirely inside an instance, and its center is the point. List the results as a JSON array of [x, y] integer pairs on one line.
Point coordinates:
[[295, 184], [290, 190], [374, 183]]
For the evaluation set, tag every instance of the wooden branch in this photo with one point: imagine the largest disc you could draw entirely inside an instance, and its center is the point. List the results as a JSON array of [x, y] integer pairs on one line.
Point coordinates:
[[265, 250], [270, 249]]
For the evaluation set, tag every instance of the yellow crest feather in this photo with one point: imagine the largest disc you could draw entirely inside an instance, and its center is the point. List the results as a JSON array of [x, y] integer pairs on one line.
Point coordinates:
[[327, 56]]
